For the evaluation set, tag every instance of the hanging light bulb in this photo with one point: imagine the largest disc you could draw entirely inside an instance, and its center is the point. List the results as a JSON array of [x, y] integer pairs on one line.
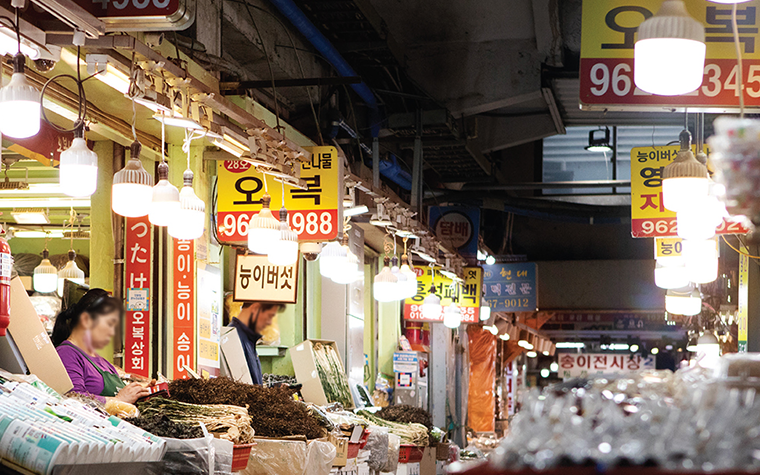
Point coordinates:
[[400, 279], [485, 310], [524, 341], [78, 171], [19, 104], [264, 229], [190, 219], [284, 251], [346, 269], [45, 277], [452, 316], [708, 350], [165, 203], [702, 260], [409, 289], [669, 55], [687, 302], [431, 306], [70, 272], [384, 287], [132, 190], [332, 255], [670, 277], [698, 219], [684, 181]]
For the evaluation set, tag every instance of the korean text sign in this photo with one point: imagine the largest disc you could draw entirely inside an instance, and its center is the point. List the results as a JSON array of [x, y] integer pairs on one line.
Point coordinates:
[[257, 279], [572, 365], [312, 213], [456, 225], [511, 287], [649, 217], [137, 272], [609, 32], [467, 294], [184, 307]]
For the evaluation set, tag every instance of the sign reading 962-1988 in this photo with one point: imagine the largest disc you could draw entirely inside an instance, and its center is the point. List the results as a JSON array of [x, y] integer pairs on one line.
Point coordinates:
[[312, 212]]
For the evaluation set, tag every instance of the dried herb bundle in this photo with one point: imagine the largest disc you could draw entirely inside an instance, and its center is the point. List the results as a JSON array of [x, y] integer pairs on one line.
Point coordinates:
[[274, 413], [162, 426], [332, 375], [406, 414]]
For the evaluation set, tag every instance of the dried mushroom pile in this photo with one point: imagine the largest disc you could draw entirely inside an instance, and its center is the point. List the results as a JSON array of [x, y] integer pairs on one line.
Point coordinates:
[[273, 412]]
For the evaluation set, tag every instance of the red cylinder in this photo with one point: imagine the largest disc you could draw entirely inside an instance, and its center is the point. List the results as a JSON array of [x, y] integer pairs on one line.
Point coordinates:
[[6, 264]]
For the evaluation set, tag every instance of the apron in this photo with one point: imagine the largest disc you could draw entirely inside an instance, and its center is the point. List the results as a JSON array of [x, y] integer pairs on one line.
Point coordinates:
[[112, 383]]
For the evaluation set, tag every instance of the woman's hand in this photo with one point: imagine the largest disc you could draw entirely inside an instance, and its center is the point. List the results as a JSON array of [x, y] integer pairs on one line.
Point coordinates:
[[132, 392]]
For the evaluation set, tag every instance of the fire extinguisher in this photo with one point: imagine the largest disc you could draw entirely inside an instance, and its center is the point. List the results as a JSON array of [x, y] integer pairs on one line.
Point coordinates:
[[6, 263]]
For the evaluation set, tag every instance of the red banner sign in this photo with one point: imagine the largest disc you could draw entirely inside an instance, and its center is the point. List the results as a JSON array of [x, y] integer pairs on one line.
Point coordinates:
[[137, 275], [184, 307]]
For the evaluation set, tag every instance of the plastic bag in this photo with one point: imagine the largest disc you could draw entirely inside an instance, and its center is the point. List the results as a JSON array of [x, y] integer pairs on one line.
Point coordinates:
[[277, 457], [394, 446], [320, 458], [123, 410], [222, 456], [383, 391], [377, 445], [189, 455]]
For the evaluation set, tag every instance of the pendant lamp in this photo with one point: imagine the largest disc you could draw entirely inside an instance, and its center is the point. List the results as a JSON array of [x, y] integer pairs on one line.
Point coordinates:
[[78, 171], [345, 266], [132, 190], [670, 277], [70, 272], [401, 285], [431, 306], [19, 104], [330, 259], [687, 302], [524, 341], [384, 286], [164, 206], [708, 350], [669, 55], [264, 229], [702, 260], [485, 311], [452, 316], [284, 251], [45, 278], [409, 288], [684, 181], [190, 218]]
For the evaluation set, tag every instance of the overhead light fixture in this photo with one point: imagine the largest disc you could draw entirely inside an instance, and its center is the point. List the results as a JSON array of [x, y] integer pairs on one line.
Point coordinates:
[[380, 218], [554, 366], [669, 55], [702, 260], [132, 190], [431, 306], [545, 373], [284, 251], [165, 202], [490, 260], [691, 345], [44, 203], [355, 211], [190, 220], [729, 2], [597, 143], [228, 147], [616, 347], [19, 104], [634, 348], [654, 350], [570, 345], [384, 287], [24, 234], [29, 215], [9, 44], [331, 258], [45, 276], [176, 120], [485, 310], [491, 329], [70, 272], [684, 181], [263, 229], [531, 354], [504, 337], [452, 316], [708, 350], [99, 67], [409, 288], [524, 341], [78, 170], [670, 277], [155, 101], [684, 302], [346, 269]]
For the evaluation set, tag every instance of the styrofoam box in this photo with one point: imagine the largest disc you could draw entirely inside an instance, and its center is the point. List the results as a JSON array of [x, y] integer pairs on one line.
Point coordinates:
[[305, 368]]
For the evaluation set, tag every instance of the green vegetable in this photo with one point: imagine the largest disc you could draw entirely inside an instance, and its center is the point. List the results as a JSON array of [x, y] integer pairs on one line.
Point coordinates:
[[414, 434], [332, 375]]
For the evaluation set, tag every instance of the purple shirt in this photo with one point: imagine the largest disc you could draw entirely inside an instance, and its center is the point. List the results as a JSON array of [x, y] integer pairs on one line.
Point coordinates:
[[85, 378]]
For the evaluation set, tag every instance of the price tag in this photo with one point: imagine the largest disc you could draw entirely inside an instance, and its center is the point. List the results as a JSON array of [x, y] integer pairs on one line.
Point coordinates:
[[312, 212]]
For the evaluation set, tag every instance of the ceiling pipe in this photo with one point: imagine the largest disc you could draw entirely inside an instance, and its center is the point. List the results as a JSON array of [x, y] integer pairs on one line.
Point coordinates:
[[323, 45]]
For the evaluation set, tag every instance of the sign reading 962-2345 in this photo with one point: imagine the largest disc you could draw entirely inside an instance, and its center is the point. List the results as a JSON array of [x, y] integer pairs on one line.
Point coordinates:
[[312, 212]]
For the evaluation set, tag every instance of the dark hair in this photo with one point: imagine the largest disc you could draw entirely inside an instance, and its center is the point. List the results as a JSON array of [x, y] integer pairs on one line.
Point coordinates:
[[265, 306], [96, 302]]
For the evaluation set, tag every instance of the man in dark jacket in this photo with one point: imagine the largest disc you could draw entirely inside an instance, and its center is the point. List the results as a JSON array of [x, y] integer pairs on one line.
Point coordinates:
[[250, 323]]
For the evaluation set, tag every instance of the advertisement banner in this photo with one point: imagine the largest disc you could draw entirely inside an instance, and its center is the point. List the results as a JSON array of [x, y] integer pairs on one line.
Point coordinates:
[[467, 294], [743, 312], [573, 365], [137, 273], [511, 287], [649, 217], [209, 319], [257, 279], [608, 36], [184, 307], [458, 226], [312, 213]]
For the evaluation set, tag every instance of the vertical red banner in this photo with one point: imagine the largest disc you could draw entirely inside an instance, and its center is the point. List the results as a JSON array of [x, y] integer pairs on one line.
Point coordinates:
[[184, 307], [137, 280]]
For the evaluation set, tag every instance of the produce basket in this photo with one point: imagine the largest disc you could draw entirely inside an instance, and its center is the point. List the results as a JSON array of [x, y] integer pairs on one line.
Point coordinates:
[[353, 450], [240, 455], [410, 453]]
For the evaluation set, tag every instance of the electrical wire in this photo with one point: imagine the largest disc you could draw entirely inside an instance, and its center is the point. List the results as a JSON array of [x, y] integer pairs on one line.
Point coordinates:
[[737, 250], [269, 65], [740, 75]]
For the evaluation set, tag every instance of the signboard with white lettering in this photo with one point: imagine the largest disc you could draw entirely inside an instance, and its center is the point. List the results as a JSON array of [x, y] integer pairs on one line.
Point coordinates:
[[137, 272], [258, 280], [572, 365]]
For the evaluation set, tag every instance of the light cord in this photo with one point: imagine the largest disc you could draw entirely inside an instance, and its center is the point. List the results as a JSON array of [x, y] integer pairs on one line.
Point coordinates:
[[740, 75]]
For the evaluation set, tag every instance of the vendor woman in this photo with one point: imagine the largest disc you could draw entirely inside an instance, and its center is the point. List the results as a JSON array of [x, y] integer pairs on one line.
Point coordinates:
[[79, 331]]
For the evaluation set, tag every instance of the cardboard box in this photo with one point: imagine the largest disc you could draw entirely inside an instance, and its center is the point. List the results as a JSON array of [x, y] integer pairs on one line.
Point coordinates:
[[408, 469], [33, 342], [305, 368], [427, 464], [233, 363], [341, 448]]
